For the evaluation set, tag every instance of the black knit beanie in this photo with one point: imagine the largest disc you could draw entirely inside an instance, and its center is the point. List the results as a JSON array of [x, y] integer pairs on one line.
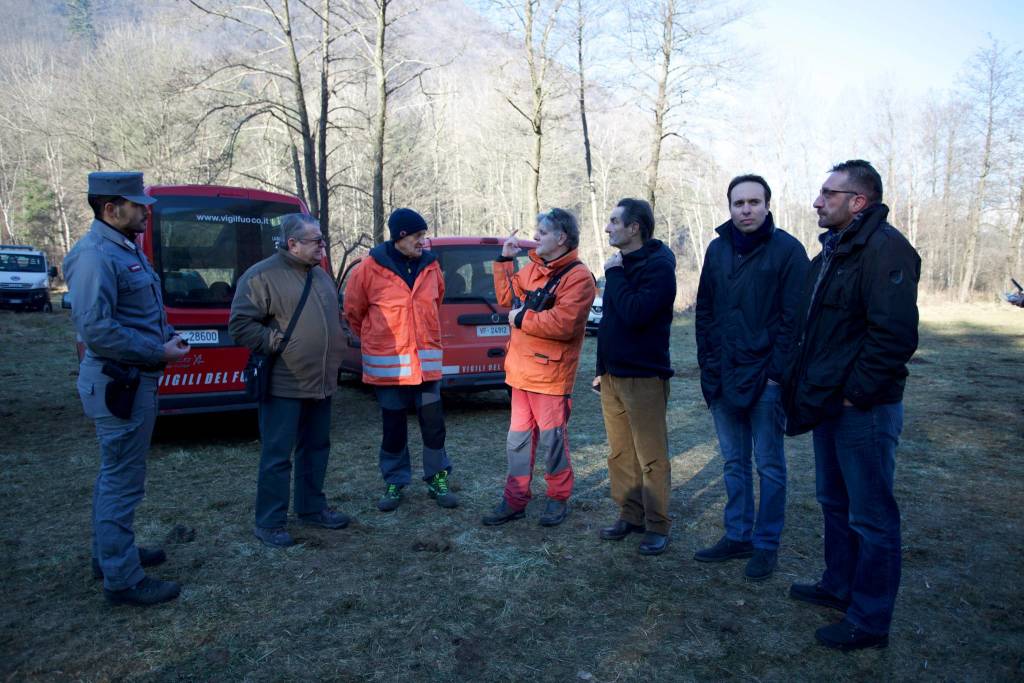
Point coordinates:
[[405, 222]]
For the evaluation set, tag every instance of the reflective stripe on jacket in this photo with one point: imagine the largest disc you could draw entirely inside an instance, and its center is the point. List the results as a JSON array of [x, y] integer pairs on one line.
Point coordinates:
[[543, 355], [399, 328]]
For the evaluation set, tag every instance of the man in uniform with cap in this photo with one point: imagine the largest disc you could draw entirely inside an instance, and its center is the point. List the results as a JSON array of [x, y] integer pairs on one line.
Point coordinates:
[[393, 304], [118, 312]]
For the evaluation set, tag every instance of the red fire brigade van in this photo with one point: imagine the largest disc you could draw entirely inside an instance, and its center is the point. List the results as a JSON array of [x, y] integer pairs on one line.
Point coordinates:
[[474, 328], [200, 239]]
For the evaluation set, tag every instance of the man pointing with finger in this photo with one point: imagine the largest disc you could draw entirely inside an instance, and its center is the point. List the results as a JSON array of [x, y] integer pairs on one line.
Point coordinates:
[[547, 328]]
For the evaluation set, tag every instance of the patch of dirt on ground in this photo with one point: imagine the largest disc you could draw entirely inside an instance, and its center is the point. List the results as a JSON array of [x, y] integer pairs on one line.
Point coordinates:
[[429, 594]]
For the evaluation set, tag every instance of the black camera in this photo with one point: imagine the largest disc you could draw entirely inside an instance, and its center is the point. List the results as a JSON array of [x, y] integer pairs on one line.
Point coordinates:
[[539, 300]]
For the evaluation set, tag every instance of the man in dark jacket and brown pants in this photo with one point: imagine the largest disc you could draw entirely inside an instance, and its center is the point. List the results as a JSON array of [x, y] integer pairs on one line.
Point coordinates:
[[846, 383], [747, 310], [297, 414], [633, 371]]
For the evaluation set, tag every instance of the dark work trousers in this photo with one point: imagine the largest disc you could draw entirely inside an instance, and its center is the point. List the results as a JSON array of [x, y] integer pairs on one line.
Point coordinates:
[[120, 484], [394, 401], [302, 425]]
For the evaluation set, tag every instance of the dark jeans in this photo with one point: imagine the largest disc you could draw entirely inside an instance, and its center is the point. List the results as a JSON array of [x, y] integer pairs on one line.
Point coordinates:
[[394, 401], [855, 461], [758, 432], [302, 425]]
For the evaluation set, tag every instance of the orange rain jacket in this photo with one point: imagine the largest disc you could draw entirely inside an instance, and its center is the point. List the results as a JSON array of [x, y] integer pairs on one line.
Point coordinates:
[[399, 328], [543, 355]]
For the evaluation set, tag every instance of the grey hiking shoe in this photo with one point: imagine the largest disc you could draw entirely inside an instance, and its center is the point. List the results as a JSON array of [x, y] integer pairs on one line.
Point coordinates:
[[502, 514], [275, 538], [555, 513], [437, 488], [391, 499], [144, 593]]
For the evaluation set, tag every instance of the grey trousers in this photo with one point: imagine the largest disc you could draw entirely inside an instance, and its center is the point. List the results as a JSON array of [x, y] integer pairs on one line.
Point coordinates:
[[120, 484]]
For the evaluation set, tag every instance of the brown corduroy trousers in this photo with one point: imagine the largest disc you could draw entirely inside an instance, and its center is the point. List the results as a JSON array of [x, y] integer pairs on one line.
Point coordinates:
[[634, 411]]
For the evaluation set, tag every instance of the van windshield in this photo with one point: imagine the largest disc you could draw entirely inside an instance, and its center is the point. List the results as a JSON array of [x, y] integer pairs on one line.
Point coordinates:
[[202, 245], [469, 271], [22, 263]]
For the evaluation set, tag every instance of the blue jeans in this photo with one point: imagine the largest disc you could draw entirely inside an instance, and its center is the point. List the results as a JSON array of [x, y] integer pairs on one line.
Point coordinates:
[[855, 462], [756, 431], [302, 424], [394, 459], [120, 483]]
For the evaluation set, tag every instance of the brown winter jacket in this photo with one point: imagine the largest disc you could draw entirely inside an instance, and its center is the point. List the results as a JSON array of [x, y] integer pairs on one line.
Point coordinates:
[[265, 299], [543, 355]]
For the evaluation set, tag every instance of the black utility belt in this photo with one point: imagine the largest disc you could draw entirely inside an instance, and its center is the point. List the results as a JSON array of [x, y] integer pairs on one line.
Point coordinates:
[[156, 367]]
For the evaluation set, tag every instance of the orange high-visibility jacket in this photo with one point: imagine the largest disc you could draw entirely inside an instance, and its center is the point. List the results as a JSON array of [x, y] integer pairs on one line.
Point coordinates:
[[543, 356], [399, 329]]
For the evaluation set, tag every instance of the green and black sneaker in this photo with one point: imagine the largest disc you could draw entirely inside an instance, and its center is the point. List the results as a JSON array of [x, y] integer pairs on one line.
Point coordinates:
[[438, 488], [391, 499]]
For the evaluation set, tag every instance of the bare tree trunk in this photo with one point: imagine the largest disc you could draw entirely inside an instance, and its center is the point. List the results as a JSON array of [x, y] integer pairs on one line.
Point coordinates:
[[591, 187], [537, 112], [325, 95], [661, 103], [308, 153], [977, 206], [379, 123], [1014, 238]]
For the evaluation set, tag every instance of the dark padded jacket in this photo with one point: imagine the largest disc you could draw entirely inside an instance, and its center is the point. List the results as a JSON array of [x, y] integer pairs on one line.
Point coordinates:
[[859, 328], [747, 315], [633, 338]]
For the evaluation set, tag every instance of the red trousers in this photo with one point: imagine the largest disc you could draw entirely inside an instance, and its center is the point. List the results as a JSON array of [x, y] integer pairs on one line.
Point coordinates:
[[539, 423]]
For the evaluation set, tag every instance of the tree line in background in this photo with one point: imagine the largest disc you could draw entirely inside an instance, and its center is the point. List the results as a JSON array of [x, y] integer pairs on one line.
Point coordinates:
[[479, 116]]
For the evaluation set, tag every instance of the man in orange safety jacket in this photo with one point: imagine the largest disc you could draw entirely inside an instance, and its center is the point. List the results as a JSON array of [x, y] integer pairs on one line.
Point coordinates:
[[550, 299], [392, 303]]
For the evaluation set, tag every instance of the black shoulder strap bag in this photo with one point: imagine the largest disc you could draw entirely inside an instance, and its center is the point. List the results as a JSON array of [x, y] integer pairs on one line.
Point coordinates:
[[544, 298], [260, 366]]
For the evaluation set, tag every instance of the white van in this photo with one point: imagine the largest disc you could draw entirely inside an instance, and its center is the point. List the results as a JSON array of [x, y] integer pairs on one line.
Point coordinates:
[[25, 278]]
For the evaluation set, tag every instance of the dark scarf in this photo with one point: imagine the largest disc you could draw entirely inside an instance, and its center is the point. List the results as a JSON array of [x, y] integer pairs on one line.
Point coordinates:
[[743, 243], [407, 267]]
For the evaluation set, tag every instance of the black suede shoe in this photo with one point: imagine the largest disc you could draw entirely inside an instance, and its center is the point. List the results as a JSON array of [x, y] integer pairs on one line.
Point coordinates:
[[844, 636], [816, 595], [761, 565], [555, 513], [146, 592], [653, 544], [328, 518], [148, 557], [724, 550], [502, 514], [619, 530]]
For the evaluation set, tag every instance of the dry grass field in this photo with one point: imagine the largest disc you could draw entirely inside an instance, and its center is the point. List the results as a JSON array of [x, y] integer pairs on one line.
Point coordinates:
[[429, 594]]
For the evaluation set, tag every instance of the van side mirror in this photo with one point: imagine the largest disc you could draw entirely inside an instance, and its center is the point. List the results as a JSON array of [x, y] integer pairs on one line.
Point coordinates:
[[53, 271]]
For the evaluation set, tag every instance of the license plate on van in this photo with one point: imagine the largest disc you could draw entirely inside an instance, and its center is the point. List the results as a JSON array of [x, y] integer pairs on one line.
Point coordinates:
[[199, 337], [492, 330]]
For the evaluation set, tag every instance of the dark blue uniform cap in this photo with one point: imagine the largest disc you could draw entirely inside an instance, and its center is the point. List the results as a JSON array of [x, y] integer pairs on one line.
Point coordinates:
[[126, 184]]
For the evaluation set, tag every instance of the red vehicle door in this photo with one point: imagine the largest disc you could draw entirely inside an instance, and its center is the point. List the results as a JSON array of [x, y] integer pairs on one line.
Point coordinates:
[[201, 239]]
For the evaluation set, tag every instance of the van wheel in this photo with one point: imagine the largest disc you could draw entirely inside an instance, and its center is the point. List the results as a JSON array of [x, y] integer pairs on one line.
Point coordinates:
[[47, 307]]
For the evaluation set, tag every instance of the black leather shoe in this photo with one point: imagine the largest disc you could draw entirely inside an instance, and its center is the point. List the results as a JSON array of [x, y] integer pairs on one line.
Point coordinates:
[[816, 595], [653, 544], [762, 564], [502, 514], [724, 550], [146, 592], [844, 636], [619, 530], [148, 557], [555, 513]]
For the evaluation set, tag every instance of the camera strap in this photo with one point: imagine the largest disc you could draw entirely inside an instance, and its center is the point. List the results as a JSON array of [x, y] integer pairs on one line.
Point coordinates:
[[295, 315], [550, 285]]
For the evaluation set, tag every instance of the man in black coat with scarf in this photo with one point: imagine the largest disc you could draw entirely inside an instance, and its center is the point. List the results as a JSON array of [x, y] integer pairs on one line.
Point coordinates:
[[747, 311]]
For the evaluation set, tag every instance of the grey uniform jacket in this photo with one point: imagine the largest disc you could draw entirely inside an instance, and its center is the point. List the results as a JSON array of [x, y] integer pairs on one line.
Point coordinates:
[[116, 304], [265, 299]]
